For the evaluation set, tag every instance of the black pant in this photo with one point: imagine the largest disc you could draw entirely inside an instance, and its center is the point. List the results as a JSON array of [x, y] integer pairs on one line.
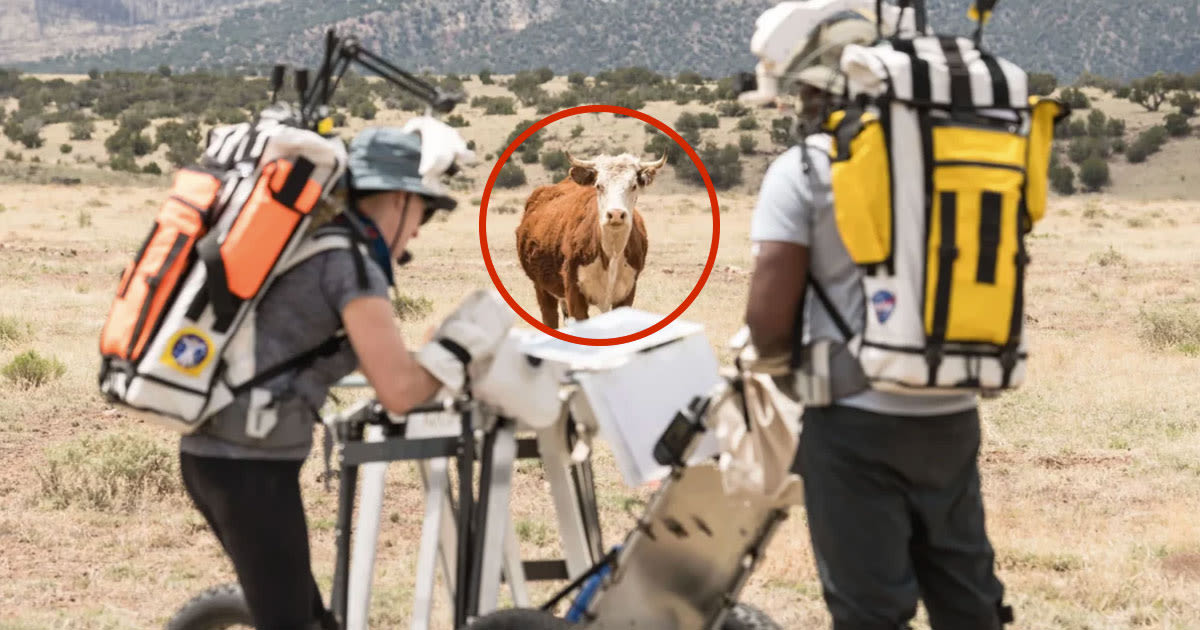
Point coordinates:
[[254, 508], [895, 514]]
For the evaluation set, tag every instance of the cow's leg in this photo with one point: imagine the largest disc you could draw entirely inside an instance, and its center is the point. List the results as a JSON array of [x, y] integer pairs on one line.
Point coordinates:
[[562, 305], [577, 305], [628, 301], [549, 305]]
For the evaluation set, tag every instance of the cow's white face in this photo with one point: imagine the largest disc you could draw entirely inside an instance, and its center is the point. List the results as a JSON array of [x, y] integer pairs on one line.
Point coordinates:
[[618, 180]]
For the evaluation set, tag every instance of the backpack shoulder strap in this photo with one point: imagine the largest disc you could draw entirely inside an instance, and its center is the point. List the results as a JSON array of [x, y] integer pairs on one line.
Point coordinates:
[[326, 238]]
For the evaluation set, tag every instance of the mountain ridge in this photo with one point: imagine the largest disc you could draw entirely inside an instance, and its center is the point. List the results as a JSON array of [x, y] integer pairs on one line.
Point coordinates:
[[1106, 37]]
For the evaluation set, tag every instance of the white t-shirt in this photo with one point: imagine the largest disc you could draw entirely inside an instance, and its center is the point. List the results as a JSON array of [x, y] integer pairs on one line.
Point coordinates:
[[789, 210]]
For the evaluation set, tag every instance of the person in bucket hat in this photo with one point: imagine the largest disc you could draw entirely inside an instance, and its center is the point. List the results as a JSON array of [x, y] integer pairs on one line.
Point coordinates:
[[891, 482], [247, 483]]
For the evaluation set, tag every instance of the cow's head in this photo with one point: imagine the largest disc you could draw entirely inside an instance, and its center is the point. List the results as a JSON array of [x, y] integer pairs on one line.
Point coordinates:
[[618, 180]]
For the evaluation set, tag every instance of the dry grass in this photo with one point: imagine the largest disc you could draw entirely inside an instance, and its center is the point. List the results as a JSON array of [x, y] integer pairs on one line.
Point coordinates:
[[1091, 472]]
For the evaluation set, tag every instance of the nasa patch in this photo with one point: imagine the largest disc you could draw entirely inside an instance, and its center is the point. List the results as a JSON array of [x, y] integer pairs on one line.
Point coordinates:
[[884, 303], [188, 351]]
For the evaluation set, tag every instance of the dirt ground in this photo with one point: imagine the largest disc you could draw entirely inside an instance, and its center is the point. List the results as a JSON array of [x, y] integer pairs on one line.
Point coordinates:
[[1091, 473]]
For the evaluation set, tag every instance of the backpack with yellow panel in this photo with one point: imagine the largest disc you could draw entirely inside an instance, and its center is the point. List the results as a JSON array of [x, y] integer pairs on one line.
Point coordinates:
[[939, 171]]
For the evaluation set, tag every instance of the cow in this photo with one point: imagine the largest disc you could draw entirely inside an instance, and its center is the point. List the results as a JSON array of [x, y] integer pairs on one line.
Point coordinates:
[[582, 241]]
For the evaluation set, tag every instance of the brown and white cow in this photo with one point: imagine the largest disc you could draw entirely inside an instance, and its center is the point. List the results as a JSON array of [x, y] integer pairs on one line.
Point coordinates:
[[582, 240]]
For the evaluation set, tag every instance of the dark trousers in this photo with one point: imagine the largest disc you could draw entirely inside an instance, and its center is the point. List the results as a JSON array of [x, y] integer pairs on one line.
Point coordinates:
[[895, 514], [254, 508]]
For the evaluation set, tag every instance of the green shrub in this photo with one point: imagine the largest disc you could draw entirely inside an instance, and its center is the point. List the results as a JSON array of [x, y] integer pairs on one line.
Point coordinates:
[[689, 78], [152, 169], [123, 161], [1116, 127], [1177, 125], [82, 130], [732, 109], [510, 176], [485, 77], [1186, 102], [576, 131], [708, 120], [1062, 179], [30, 369], [65, 148], [411, 308], [532, 143], [495, 105], [747, 123], [529, 155], [1085, 147], [576, 78], [1076, 98], [84, 218], [555, 161], [364, 109], [108, 472], [747, 144], [12, 330], [723, 164], [455, 120], [1093, 173], [1097, 124], [9, 154]]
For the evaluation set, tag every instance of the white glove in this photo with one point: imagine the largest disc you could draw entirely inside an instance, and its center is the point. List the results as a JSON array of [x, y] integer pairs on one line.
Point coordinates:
[[441, 146], [468, 336]]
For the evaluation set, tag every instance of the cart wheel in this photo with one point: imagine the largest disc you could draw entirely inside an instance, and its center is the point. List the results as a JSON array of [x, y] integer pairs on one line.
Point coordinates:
[[747, 617], [218, 608], [520, 619]]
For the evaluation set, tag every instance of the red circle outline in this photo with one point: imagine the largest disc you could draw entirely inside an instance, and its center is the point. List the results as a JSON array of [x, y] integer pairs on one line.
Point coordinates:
[[592, 109]]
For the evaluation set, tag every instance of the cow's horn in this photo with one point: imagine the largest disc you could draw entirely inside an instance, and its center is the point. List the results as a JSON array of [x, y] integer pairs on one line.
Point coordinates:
[[657, 164], [580, 163]]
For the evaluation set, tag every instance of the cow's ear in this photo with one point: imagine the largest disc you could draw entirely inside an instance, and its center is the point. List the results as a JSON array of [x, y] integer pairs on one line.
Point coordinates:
[[583, 176], [645, 176]]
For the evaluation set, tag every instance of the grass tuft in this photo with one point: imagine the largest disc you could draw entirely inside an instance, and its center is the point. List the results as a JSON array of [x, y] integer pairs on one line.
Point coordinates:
[[410, 308], [1167, 327], [109, 472]]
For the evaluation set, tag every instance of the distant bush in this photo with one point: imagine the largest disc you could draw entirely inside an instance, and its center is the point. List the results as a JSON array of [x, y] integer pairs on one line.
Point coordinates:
[[708, 121], [529, 155], [732, 109], [1085, 147], [723, 164], [689, 78], [485, 77], [747, 123], [1177, 125], [1116, 127], [26, 131], [554, 161], [152, 169], [82, 130], [456, 120], [532, 143], [109, 472], [182, 140], [576, 131], [495, 105], [1076, 98], [747, 144], [510, 176], [576, 78], [30, 369], [123, 161], [1186, 102], [65, 148], [1062, 179], [364, 109], [1137, 153], [1093, 173], [781, 131], [659, 144]]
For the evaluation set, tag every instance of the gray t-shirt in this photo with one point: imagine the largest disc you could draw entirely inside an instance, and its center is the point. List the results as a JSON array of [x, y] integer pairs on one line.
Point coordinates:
[[300, 311], [789, 210]]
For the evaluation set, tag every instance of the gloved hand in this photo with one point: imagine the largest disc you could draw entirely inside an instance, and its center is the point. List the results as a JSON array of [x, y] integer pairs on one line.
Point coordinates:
[[468, 337], [441, 146]]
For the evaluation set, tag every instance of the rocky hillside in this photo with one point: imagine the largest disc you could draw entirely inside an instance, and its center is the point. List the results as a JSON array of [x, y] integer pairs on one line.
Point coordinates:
[[1108, 37]]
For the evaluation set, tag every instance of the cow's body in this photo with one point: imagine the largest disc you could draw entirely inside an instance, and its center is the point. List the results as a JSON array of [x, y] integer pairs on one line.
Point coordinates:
[[576, 255]]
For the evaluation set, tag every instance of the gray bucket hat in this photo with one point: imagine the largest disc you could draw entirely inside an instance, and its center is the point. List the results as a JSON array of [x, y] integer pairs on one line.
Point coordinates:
[[387, 158]]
